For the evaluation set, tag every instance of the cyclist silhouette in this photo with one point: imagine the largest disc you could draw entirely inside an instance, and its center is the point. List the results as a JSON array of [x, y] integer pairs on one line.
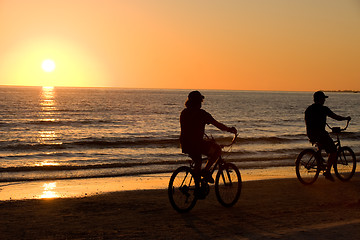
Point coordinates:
[[315, 119], [193, 120]]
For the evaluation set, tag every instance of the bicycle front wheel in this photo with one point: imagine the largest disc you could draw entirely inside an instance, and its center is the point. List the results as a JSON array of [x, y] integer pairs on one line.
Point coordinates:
[[307, 170], [228, 185], [345, 165], [181, 190]]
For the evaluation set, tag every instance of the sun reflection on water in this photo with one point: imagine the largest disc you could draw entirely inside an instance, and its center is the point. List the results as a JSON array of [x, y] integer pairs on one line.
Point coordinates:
[[47, 103], [48, 137], [49, 190], [47, 163], [48, 114]]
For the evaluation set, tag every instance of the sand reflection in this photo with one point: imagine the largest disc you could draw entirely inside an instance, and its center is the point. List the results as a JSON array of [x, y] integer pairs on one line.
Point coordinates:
[[49, 190]]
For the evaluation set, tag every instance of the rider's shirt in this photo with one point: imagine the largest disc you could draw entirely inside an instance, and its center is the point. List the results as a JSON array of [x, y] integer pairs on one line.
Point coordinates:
[[193, 121], [315, 119]]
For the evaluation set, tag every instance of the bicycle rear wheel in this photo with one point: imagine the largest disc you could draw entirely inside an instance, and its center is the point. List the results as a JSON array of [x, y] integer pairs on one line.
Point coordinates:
[[307, 170], [228, 185], [345, 165], [181, 190]]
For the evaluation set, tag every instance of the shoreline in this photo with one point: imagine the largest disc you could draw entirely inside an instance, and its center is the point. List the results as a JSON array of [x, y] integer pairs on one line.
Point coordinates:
[[75, 188], [267, 209]]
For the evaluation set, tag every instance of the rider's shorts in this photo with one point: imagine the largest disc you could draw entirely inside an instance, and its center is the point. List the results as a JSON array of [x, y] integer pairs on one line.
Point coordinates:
[[207, 148], [324, 141]]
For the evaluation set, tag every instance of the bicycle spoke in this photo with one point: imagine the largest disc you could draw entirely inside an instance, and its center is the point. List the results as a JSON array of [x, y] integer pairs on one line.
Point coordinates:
[[181, 190], [345, 165], [228, 185], [307, 169], [226, 180]]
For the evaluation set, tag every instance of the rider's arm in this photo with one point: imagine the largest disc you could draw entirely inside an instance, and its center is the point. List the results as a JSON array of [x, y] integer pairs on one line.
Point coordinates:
[[338, 117], [223, 127]]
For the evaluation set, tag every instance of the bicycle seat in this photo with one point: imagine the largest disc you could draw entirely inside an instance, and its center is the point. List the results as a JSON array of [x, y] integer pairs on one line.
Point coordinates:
[[196, 157], [202, 159]]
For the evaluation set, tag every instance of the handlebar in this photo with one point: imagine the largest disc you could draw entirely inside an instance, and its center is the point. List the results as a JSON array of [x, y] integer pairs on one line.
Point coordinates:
[[232, 141], [338, 129]]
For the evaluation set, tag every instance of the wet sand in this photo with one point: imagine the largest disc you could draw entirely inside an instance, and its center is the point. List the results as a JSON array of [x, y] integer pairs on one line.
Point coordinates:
[[267, 209], [94, 186]]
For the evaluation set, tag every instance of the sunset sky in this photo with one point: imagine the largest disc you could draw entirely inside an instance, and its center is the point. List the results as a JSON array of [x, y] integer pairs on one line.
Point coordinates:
[[287, 45]]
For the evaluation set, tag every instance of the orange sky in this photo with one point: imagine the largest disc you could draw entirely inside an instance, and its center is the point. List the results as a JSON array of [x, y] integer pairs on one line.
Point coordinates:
[[300, 45]]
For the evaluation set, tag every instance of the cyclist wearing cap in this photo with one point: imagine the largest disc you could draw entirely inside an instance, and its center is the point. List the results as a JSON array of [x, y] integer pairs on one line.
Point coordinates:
[[193, 120], [315, 119]]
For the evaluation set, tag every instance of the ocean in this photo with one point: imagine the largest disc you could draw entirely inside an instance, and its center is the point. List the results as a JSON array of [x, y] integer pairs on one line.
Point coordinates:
[[74, 133]]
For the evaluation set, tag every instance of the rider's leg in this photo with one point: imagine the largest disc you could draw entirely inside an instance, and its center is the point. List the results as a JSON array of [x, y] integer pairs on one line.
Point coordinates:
[[331, 160], [197, 164], [330, 148], [213, 154]]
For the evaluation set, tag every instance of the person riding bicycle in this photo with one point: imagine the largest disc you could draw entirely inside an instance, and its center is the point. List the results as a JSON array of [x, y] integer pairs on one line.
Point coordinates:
[[315, 120], [192, 122]]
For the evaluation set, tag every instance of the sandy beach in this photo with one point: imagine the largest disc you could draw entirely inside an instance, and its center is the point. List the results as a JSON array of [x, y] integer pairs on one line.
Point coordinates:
[[267, 209], [75, 188]]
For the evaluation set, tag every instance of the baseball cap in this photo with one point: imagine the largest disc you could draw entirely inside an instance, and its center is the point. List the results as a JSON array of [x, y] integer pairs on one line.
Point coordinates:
[[319, 95], [195, 96]]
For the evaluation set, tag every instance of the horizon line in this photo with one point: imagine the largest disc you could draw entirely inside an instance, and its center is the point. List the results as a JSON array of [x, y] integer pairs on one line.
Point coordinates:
[[160, 88]]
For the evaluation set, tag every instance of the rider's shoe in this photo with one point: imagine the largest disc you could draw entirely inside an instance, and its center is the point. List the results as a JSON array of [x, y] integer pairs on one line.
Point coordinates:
[[328, 176], [207, 176]]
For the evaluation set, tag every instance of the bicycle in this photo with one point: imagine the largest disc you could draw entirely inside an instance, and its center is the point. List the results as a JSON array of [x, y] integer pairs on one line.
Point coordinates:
[[310, 162], [185, 188]]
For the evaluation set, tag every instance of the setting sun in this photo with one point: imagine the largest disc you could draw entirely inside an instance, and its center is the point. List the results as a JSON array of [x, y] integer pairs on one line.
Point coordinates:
[[48, 65], [241, 45]]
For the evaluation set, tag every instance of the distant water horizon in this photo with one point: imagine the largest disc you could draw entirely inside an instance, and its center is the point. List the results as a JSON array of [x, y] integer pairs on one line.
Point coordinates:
[[202, 89], [86, 132]]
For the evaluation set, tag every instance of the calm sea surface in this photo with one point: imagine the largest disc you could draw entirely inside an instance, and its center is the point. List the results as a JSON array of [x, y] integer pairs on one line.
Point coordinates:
[[66, 133]]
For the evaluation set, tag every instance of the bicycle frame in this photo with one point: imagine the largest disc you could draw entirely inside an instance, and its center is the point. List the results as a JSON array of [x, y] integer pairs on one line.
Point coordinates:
[[186, 186], [337, 131], [344, 165], [220, 161]]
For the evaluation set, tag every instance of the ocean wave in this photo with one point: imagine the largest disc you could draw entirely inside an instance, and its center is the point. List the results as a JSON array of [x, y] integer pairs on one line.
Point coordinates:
[[284, 143], [293, 138], [272, 140], [87, 167], [135, 142], [66, 173], [237, 157], [56, 122], [76, 175], [35, 173], [92, 143]]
